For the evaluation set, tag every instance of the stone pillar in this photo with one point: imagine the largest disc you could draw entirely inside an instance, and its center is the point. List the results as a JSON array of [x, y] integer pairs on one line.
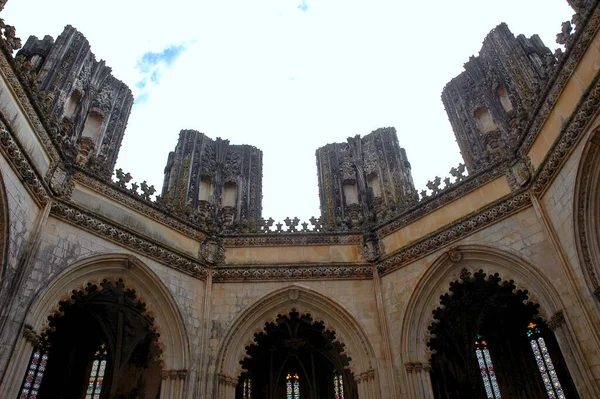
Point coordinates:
[[366, 385], [173, 382], [225, 387], [19, 363], [419, 380]]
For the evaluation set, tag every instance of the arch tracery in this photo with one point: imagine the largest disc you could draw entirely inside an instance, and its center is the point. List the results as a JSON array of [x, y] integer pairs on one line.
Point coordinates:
[[160, 313], [522, 275], [322, 309]]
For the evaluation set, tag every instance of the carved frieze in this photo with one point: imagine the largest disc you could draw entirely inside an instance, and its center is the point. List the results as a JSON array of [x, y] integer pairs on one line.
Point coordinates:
[[292, 272]]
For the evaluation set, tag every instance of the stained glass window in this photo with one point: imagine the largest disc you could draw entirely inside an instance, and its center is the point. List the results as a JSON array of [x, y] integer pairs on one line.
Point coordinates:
[[292, 386], [338, 385], [97, 374], [487, 369], [247, 389], [35, 371], [544, 362]]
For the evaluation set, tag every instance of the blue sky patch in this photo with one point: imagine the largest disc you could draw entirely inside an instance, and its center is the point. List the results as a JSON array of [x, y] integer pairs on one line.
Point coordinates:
[[303, 5]]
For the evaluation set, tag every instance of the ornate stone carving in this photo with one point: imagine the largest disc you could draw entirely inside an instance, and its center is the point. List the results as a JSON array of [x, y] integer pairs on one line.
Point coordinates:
[[454, 232], [294, 294], [31, 336], [59, 179], [28, 174], [454, 254], [119, 235], [557, 320], [288, 272], [212, 251]]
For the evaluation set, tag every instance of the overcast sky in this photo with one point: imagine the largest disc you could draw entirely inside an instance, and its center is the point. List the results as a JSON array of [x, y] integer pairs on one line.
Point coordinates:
[[287, 76]]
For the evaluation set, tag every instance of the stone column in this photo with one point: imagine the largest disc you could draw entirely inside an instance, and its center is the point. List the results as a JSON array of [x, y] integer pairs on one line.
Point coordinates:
[[225, 387], [173, 382], [366, 385], [419, 380]]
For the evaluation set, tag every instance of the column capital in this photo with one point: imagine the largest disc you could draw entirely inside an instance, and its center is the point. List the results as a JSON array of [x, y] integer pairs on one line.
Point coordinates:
[[557, 320]]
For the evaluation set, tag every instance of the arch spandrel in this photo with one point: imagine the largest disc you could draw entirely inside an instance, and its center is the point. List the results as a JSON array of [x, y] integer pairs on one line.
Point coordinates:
[[447, 268], [136, 275], [334, 316]]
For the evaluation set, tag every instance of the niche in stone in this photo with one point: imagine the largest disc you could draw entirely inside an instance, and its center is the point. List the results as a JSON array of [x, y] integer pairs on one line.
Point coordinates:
[[504, 98], [484, 340], [229, 195], [296, 357], [484, 120], [350, 192], [102, 329], [206, 189], [374, 184], [93, 127], [72, 103]]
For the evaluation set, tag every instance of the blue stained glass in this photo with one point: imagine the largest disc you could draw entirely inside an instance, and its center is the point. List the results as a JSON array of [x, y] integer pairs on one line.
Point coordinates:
[[35, 372]]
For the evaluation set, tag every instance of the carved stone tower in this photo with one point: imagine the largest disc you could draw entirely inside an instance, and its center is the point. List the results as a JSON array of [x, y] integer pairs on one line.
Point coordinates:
[[364, 177], [497, 90], [93, 104], [222, 182]]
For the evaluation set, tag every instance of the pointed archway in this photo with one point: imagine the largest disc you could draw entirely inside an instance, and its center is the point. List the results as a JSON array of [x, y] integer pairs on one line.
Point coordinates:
[[299, 356], [160, 318], [323, 311], [107, 315], [484, 342]]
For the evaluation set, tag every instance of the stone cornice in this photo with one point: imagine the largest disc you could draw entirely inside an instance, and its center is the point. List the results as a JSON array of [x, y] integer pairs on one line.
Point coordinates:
[[22, 166], [291, 239], [569, 137], [92, 223], [147, 208], [292, 272], [438, 201], [460, 229], [565, 70]]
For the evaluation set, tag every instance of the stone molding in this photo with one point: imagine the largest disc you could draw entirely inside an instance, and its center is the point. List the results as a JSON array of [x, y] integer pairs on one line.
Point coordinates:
[[454, 232], [417, 367], [227, 380], [22, 166], [107, 230], [569, 137], [285, 239], [292, 272], [173, 374], [366, 376], [430, 204], [125, 197]]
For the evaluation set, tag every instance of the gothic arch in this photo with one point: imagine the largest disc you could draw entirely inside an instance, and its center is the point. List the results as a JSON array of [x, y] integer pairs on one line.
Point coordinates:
[[304, 300], [447, 268], [586, 213], [137, 275]]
